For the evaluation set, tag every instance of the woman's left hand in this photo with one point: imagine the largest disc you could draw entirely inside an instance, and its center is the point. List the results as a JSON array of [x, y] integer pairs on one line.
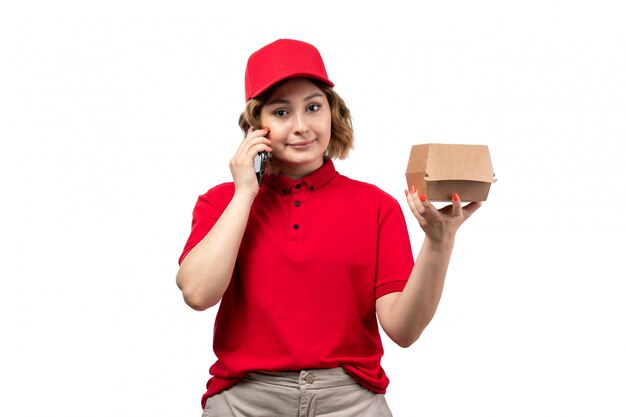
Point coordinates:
[[439, 224]]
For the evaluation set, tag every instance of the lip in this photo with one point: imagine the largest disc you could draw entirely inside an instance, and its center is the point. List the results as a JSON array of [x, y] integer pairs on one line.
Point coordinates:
[[303, 144]]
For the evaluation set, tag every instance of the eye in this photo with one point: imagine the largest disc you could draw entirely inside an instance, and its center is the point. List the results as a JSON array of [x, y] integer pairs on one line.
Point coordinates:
[[280, 113], [313, 107]]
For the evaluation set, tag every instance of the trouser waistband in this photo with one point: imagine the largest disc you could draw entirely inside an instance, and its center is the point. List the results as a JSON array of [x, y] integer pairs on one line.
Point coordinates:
[[305, 379]]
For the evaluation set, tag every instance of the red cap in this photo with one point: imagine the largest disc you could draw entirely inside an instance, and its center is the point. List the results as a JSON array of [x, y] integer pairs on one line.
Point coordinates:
[[284, 58]]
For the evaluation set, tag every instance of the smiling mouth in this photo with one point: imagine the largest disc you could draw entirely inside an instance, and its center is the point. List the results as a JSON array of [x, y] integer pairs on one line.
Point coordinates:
[[302, 145]]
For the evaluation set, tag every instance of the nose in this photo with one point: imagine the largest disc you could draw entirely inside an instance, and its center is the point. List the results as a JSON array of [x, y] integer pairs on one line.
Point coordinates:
[[300, 124]]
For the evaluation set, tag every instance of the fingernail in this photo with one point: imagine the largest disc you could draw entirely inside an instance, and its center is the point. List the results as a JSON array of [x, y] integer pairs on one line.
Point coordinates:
[[406, 192], [267, 129], [422, 197], [413, 190], [455, 197]]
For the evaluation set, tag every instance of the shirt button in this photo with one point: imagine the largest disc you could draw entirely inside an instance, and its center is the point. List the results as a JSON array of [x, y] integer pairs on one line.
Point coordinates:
[[295, 226], [284, 192], [311, 188], [298, 186], [296, 203], [309, 379]]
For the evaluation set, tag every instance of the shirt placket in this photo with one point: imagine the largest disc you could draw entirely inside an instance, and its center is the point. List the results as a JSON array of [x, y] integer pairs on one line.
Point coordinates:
[[299, 195]]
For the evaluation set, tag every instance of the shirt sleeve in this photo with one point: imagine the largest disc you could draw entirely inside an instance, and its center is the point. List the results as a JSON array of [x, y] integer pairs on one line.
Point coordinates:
[[394, 254], [206, 212]]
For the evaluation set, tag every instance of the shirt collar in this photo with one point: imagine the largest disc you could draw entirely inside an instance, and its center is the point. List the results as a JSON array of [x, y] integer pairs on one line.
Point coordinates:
[[312, 182]]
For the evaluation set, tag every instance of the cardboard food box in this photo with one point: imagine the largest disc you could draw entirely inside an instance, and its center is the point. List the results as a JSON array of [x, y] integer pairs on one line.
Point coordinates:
[[438, 170]]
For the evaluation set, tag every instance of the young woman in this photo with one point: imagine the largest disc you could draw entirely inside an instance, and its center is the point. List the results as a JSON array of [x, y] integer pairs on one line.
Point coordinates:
[[306, 265]]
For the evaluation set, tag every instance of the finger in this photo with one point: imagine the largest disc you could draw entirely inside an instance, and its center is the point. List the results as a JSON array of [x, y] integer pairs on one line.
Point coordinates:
[[247, 150], [253, 139], [415, 205], [411, 201], [247, 136], [457, 208], [419, 200], [246, 156], [252, 133], [471, 208], [427, 210]]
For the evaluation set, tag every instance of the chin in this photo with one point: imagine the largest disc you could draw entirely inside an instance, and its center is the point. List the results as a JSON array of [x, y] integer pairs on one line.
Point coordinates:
[[298, 162]]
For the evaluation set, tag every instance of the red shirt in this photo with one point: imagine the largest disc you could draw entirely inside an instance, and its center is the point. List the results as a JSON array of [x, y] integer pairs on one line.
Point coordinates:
[[315, 256]]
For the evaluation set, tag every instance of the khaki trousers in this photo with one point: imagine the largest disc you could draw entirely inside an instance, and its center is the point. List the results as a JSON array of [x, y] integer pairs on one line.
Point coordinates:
[[309, 393]]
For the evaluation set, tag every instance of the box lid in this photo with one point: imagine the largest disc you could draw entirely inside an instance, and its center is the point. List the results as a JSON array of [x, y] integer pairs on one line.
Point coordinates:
[[441, 162]]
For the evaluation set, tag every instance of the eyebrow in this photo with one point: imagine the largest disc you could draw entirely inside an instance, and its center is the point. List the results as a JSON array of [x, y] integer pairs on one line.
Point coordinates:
[[283, 101]]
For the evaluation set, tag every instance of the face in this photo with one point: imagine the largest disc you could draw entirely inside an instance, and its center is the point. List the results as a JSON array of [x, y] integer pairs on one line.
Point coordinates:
[[299, 119]]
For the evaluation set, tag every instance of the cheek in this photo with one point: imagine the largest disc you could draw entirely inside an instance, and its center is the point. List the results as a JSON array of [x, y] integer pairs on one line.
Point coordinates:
[[267, 121], [276, 130], [327, 129], [328, 122], [264, 121]]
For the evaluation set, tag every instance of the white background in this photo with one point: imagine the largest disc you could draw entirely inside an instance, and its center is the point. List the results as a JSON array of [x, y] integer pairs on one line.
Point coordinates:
[[115, 116]]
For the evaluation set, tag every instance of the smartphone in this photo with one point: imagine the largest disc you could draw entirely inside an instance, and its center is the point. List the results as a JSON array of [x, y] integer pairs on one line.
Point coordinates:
[[259, 166]]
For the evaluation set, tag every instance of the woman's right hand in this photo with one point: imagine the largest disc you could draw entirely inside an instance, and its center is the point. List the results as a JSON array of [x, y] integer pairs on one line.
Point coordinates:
[[242, 163]]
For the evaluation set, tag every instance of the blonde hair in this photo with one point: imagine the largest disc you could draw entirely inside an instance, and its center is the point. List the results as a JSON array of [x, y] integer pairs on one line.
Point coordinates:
[[341, 132]]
